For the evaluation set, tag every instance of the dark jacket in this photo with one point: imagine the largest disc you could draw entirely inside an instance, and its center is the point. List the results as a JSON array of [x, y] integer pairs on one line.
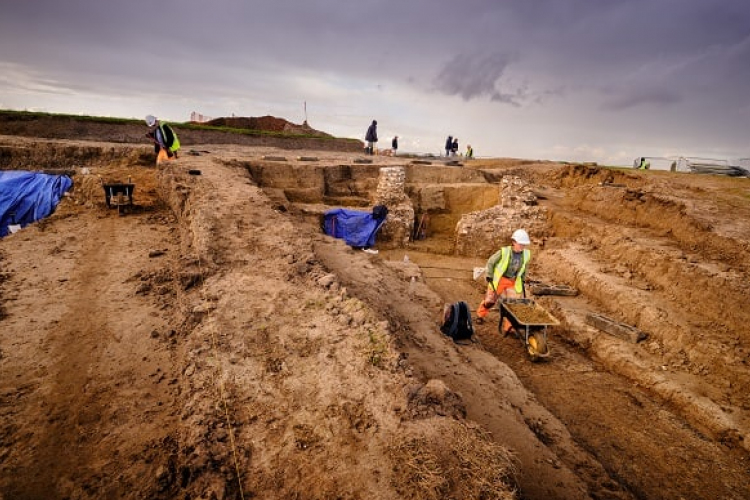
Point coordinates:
[[372, 132]]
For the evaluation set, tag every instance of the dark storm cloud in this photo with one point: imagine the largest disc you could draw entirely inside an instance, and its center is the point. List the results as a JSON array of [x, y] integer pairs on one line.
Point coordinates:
[[476, 77], [394, 39]]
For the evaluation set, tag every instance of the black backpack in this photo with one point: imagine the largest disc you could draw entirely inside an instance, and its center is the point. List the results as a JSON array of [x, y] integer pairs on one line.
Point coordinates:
[[379, 212], [457, 321]]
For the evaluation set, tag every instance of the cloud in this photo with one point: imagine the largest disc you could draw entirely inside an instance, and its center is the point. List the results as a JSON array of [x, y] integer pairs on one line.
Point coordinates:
[[20, 79], [478, 76], [643, 96]]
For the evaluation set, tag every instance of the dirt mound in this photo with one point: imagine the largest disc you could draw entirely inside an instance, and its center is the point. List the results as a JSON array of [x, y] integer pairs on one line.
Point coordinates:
[[427, 469], [266, 123]]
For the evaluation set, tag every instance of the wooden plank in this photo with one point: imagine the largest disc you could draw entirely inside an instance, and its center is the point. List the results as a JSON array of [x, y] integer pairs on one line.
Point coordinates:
[[273, 158], [615, 328], [545, 289]]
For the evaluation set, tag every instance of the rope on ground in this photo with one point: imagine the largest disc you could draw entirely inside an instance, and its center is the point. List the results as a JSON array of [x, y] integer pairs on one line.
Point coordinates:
[[222, 393]]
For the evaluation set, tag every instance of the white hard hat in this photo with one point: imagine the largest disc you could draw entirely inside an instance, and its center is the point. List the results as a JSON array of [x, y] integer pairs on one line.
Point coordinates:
[[150, 120], [521, 237]]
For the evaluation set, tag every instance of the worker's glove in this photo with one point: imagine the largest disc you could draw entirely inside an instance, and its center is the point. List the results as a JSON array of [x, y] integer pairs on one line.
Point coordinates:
[[489, 279]]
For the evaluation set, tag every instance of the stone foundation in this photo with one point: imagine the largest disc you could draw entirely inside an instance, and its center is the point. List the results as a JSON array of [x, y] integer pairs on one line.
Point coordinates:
[[391, 192], [482, 233]]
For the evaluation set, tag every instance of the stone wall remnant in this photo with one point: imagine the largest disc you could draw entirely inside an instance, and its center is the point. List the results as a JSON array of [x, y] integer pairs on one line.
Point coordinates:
[[391, 192], [481, 233]]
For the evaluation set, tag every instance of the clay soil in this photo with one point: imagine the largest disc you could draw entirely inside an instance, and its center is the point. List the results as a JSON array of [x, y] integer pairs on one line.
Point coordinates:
[[210, 342]]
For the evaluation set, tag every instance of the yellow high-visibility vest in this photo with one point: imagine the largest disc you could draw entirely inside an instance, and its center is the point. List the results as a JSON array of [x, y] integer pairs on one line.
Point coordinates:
[[502, 266]]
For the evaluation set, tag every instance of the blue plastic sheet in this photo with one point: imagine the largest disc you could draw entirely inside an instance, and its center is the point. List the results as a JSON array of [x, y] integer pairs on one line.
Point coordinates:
[[26, 197], [356, 228]]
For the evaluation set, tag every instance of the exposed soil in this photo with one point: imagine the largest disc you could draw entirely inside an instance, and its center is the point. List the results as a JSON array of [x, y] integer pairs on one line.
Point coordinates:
[[210, 342], [266, 123]]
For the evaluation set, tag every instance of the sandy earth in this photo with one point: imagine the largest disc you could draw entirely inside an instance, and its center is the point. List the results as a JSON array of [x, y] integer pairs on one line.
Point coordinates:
[[210, 342]]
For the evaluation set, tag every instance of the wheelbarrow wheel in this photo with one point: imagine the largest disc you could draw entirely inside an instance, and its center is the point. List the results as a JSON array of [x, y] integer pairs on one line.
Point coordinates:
[[537, 346]]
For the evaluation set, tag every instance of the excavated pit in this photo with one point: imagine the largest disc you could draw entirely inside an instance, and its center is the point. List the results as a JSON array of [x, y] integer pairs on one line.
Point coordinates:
[[646, 251], [664, 253]]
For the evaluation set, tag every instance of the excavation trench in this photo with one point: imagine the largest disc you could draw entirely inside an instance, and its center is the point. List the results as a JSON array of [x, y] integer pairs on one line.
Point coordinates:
[[168, 349], [642, 254]]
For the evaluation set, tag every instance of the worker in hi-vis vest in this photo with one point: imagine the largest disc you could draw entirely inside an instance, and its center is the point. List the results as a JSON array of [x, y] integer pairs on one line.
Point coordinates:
[[505, 272], [164, 137]]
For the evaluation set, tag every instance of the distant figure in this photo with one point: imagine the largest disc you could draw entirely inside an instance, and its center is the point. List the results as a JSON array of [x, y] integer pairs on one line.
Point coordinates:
[[394, 145], [644, 164], [448, 145], [371, 137], [165, 139], [454, 147], [469, 152]]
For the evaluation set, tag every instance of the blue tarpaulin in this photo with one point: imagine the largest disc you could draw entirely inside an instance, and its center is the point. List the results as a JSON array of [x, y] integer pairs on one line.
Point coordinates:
[[356, 228], [26, 197]]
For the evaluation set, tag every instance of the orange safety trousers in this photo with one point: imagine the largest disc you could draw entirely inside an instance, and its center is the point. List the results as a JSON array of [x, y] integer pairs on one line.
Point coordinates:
[[506, 288]]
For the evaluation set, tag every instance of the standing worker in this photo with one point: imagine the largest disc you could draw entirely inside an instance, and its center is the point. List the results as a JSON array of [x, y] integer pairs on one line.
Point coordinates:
[[165, 139], [469, 152], [394, 145], [506, 272], [448, 146], [371, 137]]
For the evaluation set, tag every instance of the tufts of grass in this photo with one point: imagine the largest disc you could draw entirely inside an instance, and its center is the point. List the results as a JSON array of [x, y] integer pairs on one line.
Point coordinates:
[[377, 349]]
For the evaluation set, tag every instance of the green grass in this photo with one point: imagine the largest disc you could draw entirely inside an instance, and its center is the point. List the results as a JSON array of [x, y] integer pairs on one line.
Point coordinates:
[[33, 115]]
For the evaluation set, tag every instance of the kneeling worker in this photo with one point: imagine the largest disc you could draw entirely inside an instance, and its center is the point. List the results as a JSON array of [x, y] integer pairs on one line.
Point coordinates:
[[164, 137], [506, 271]]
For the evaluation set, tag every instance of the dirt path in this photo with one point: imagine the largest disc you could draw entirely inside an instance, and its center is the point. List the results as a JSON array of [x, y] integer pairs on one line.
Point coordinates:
[[82, 356]]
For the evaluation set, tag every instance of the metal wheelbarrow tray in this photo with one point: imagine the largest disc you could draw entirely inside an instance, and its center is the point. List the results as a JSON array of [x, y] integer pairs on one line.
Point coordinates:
[[115, 193], [530, 321]]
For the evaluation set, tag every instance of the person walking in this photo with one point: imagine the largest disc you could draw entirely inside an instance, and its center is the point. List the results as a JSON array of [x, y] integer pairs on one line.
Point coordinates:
[[164, 137], [505, 274], [448, 146], [394, 145], [454, 147], [371, 137]]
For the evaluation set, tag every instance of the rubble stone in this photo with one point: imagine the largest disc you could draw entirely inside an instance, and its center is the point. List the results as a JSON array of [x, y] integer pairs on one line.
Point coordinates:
[[481, 233], [391, 192]]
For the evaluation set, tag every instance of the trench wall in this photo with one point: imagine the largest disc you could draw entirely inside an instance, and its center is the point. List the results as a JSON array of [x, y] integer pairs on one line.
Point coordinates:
[[442, 197]]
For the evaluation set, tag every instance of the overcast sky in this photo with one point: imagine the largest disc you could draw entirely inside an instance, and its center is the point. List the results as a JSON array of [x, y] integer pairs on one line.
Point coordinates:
[[579, 80]]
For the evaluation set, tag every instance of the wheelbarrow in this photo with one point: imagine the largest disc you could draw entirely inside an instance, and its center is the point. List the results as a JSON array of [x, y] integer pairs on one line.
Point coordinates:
[[115, 194], [530, 322]]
